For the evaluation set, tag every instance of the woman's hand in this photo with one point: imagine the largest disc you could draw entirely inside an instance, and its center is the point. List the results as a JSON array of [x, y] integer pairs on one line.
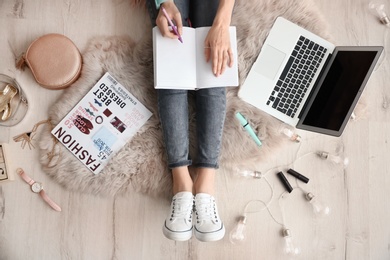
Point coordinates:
[[218, 49], [162, 22]]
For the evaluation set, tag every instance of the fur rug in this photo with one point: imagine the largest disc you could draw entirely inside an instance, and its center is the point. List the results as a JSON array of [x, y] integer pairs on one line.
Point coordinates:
[[141, 164]]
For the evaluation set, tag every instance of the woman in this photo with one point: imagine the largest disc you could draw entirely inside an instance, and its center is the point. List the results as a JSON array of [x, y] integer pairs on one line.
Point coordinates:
[[210, 117]]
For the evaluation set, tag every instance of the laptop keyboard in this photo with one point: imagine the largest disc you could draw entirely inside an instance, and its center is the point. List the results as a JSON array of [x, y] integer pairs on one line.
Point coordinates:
[[296, 77]]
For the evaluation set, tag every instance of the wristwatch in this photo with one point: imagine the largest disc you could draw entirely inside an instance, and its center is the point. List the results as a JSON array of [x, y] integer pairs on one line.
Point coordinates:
[[37, 187]]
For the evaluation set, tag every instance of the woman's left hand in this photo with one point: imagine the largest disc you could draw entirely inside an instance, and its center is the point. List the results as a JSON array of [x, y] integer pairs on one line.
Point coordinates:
[[218, 49]]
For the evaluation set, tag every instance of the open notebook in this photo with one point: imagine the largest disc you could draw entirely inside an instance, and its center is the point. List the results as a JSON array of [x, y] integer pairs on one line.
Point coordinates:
[[183, 65]]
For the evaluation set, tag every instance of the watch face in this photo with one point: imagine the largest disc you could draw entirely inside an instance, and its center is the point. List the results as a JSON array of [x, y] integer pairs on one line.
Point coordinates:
[[36, 187]]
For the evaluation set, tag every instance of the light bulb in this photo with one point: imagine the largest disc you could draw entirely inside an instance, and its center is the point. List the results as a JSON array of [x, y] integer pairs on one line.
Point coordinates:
[[334, 158], [319, 208], [353, 116], [291, 135], [289, 247], [380, 10], [237, 235], [248, 173]]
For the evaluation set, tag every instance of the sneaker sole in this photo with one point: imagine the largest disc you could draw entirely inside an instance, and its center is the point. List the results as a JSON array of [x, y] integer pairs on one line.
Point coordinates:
[[177, 236], [211, 236]]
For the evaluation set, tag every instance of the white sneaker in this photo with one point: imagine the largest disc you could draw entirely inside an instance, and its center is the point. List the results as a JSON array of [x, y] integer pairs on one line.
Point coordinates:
[[178, 225], [208, 225]]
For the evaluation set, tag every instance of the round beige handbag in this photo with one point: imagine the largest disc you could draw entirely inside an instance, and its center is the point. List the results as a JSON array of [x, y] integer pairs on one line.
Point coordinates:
[[54, 61]]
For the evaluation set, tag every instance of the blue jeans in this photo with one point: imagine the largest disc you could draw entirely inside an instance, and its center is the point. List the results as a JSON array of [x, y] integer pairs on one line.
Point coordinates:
[[210, 103]]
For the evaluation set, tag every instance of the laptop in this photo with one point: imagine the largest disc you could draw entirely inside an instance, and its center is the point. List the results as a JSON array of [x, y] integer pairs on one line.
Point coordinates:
[[306, 81]]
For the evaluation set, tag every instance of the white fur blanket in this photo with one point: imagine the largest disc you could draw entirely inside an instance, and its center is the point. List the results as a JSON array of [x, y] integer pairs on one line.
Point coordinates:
[[141, 164]]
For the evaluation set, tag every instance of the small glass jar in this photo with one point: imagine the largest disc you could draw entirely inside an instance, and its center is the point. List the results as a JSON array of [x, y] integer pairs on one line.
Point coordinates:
[[13, 102]]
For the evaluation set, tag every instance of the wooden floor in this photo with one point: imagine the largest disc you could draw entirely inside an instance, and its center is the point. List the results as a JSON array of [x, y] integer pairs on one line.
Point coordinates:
[[91, 227]]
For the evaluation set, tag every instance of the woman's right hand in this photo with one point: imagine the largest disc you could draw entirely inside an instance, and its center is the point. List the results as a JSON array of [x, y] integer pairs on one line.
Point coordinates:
[[174, 14]]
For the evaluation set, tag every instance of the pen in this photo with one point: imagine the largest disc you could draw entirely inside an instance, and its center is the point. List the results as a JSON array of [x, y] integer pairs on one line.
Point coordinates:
[[248, 128], [171, 24]]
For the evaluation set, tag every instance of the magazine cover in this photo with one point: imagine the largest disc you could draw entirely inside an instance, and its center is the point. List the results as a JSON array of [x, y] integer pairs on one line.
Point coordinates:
[[101, 123]]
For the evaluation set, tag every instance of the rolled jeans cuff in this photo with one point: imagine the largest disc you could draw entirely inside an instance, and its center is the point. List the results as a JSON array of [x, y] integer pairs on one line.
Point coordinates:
[[207, 165], [179, 164]]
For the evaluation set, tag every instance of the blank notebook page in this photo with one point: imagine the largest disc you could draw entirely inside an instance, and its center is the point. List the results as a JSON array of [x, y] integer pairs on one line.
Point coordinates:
[[206, 78], [176, 61]]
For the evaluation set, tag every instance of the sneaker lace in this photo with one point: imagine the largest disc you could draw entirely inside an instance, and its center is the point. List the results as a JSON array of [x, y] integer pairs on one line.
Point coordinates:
[[181, 208], [205, 210]]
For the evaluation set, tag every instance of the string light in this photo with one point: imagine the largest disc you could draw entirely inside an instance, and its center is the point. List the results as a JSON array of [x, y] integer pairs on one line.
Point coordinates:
[[353, 116], [289, 247], [291, 135], [380, 10], [248, 173], [238, 234], [319, 208], [334, 158]]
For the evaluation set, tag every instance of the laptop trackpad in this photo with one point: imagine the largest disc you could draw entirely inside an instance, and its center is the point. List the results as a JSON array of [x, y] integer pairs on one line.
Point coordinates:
[[269, 61]]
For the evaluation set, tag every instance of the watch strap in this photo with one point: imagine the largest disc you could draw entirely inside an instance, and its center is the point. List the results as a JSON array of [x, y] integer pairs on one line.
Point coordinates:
[[25, 177], [49, 201], [42, 193]]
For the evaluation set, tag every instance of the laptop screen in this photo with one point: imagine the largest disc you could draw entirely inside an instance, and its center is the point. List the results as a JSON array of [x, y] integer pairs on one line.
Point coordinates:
[[339, 88]]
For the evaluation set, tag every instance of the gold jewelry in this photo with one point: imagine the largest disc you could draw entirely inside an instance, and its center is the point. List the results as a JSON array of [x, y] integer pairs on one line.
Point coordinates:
[[27, 137], [6, 97], [53, 155]]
